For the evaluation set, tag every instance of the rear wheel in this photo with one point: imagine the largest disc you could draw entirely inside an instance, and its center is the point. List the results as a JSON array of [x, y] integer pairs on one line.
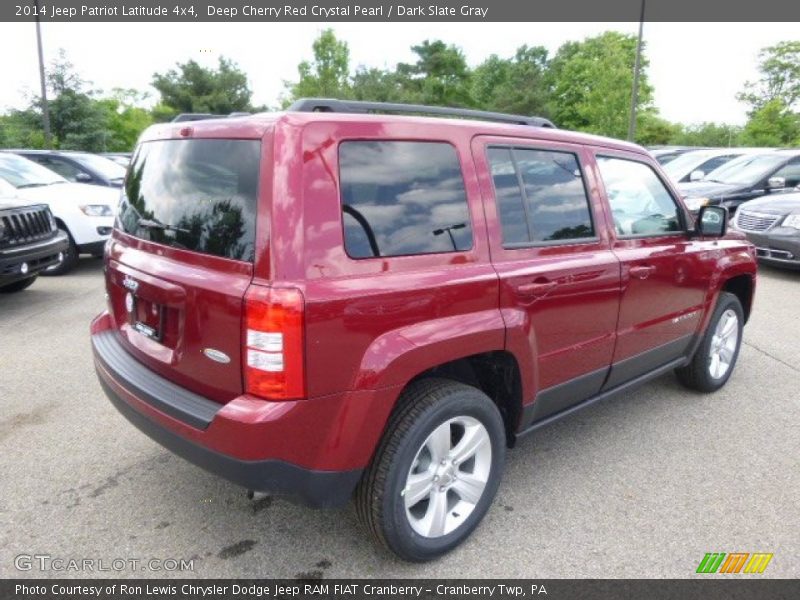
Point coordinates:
[[436, 471], [713, 363], [18, 286], [69, 261]]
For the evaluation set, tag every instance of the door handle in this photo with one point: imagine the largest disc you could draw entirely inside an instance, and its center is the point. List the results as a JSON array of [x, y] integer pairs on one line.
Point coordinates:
[[641, 271], [537, 288]]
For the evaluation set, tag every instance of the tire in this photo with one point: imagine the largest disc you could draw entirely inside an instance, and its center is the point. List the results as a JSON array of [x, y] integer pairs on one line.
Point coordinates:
[[431, 411], [706, 372], [70, 259], [18, 286]]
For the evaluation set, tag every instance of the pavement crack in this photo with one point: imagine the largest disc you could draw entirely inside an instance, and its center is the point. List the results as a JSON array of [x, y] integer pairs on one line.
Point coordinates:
[[773, 357]]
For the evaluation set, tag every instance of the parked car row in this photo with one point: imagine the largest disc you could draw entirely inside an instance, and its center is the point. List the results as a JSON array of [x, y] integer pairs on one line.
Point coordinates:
[[749, 176], [51, 216], [78, 167], [760, 188]]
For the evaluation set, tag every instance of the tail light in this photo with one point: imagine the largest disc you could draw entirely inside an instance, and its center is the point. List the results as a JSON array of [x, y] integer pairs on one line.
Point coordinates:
[[274, 343]]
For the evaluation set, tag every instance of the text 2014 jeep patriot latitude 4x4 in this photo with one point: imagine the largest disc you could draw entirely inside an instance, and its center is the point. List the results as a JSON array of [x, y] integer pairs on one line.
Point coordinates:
[[327, 303]]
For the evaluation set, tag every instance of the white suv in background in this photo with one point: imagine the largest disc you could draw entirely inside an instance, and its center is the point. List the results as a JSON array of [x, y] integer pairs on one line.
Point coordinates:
[[84, 212]]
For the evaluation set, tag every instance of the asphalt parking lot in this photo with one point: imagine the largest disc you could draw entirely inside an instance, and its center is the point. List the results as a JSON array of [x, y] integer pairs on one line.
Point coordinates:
[[641, 486]]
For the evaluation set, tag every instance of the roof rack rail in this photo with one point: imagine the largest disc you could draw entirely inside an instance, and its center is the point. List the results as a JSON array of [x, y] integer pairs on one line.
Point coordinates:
[[358, 106], [183, 117]]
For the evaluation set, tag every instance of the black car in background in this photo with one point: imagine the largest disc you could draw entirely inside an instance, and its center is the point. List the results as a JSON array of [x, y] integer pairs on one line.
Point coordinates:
[[772, 223], [744, 178], [121, 158], [78, 167]]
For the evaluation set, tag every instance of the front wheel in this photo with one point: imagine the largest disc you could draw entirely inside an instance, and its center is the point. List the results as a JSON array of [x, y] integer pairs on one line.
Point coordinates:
[[713, 362], [436, 471]]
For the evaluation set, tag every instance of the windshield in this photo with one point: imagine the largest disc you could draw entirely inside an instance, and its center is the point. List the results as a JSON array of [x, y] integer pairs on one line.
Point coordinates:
[[6, 189], [746, 169], [106, 167], [686, 163], [23, 173]]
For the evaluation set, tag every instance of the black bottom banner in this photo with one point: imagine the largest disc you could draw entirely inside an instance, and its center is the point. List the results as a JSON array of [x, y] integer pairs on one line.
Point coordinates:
[[362, 589]]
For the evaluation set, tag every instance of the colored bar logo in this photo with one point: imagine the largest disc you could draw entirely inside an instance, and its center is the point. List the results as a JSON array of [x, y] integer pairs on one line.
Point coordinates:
[[735, 562]]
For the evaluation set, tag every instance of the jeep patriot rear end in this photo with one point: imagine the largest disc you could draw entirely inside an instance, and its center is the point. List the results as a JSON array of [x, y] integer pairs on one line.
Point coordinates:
[[326, 303]]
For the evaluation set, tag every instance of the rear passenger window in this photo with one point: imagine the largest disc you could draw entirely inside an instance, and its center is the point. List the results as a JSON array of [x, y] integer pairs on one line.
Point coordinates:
[[540, 196], [640, 204], [402, 198]]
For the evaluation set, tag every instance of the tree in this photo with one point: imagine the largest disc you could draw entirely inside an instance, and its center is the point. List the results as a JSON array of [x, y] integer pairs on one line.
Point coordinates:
[[376, 85], [21, 129], [708, 134], [780, 77], [440, 76], [652, 130], [590, 84], [516, 86], [327, 75], [772, 125], [193, 88], [77, 121], [126, 119]]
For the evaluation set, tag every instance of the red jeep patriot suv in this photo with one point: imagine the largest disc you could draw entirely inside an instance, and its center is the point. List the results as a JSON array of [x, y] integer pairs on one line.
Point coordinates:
[[327, 303]]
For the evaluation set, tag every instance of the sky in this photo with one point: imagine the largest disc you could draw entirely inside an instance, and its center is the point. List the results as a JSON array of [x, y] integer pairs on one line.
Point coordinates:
[[695, 68]]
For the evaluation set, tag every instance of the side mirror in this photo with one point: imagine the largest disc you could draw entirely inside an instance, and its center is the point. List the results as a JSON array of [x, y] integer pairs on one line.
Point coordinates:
[[712, 221], [776, 183], [696, 175], [83, 178]]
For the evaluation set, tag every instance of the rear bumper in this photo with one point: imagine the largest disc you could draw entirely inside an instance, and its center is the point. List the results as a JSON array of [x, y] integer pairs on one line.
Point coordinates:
[[314, 488], [245, 440], [31, 258]]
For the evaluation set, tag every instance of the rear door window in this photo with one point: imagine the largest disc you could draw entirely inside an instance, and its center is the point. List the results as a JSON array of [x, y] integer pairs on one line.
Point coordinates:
[[198, 195], [402, 198], [541, 197]]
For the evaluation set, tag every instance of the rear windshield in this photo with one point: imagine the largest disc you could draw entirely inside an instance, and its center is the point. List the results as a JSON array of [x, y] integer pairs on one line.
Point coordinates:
[[197, 195]]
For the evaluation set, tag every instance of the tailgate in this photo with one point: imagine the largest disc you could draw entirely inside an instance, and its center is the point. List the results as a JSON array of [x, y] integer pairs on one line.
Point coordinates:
[[181, 260]]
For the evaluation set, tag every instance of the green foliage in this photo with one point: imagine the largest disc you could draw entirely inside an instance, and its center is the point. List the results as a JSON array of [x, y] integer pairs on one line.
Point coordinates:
[[77, 120], [376, 85], [516, 86], [585, 86], [652, 130], [126, 120], [718, 135], [780, 77], [440, 76], [193, 88], [772, 125], [327, 75], [590, 84], [774, 98], [21, 129]]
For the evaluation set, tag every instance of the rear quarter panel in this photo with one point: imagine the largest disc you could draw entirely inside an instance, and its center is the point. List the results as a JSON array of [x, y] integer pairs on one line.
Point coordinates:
[[377, 322]]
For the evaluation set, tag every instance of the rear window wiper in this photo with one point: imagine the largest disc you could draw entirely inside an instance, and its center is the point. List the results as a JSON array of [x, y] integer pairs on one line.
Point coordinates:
[[150, 224]]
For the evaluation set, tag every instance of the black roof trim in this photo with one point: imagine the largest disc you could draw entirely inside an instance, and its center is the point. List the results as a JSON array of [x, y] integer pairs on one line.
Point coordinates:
[[357, 106]]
